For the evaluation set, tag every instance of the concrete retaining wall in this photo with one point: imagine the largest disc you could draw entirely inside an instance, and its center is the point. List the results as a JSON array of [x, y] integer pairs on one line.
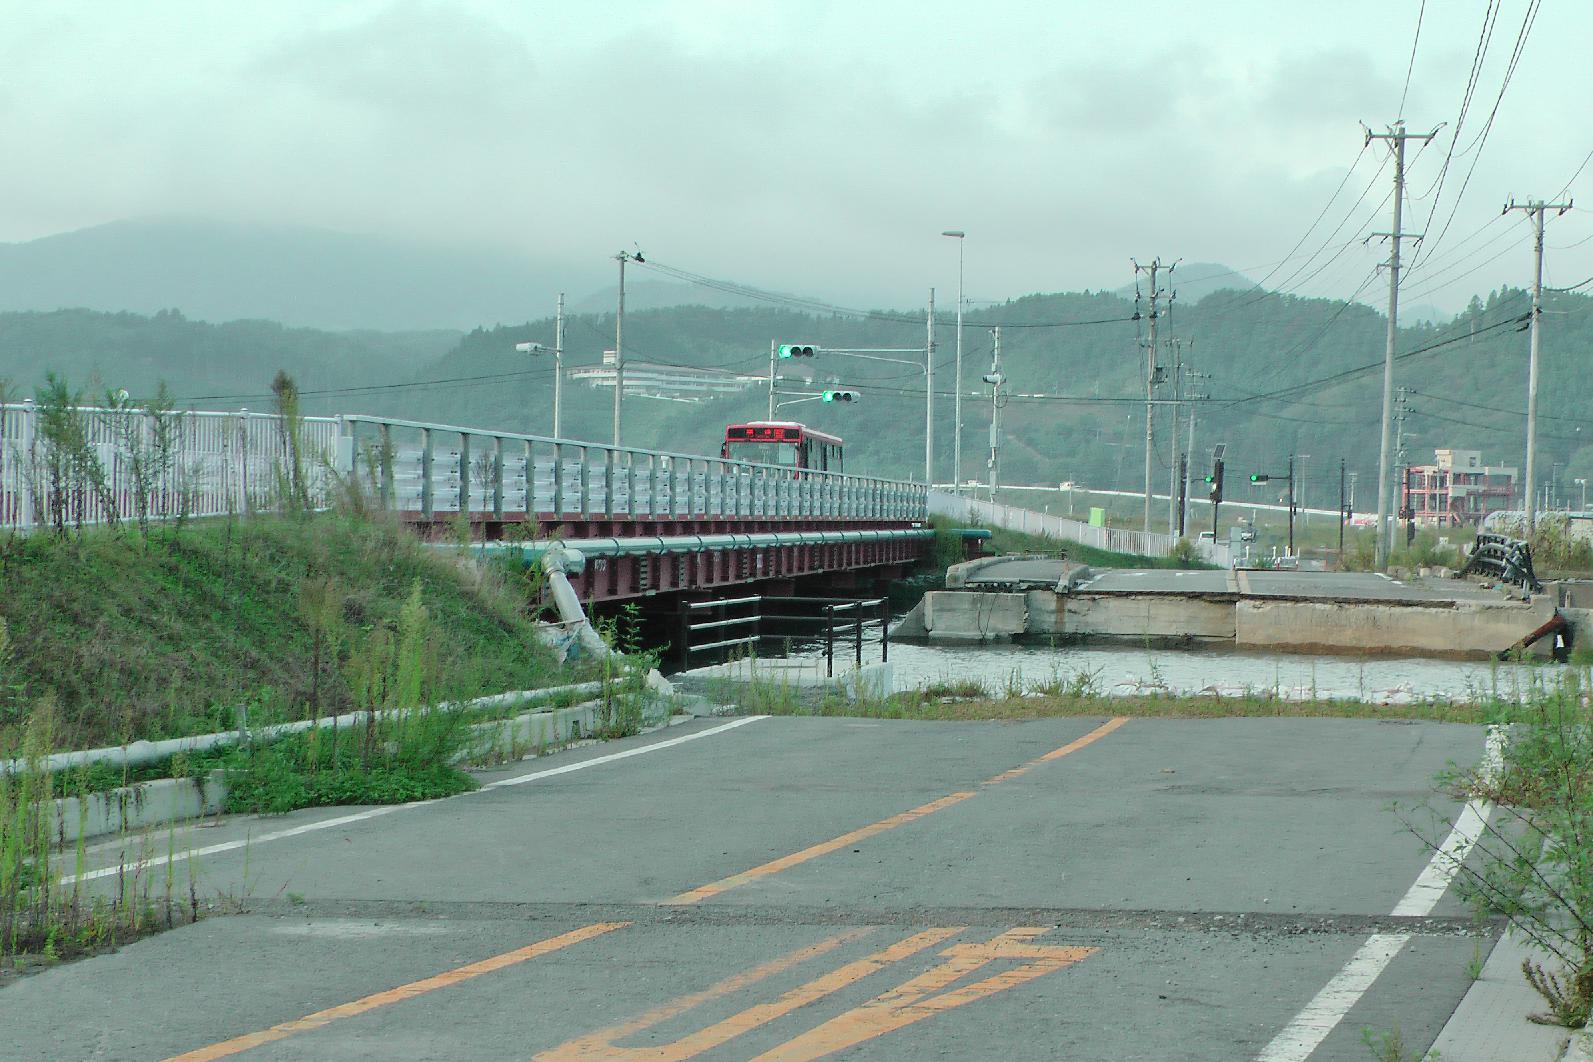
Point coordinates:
[[1148, 616], [1369, 628], [972, 616]]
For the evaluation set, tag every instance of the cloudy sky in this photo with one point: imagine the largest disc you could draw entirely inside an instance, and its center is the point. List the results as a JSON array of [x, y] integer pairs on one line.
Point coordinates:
[[812, 146]]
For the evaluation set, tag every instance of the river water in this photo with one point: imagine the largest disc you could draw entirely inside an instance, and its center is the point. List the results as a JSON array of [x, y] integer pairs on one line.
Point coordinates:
[[1127, 671]]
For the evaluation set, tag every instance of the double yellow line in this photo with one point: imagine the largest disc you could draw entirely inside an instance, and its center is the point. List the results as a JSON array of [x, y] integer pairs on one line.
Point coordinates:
[[322, 1018]]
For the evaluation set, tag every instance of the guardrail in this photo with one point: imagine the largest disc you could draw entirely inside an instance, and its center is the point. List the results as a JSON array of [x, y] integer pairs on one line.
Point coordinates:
[[438, 469], [728, 633], [91, 464], [1116, 539], [1503, 558]]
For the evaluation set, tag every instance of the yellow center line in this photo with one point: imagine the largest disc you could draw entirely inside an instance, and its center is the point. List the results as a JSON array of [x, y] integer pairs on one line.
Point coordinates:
[[846, 975], [775, 866], [396, 995]]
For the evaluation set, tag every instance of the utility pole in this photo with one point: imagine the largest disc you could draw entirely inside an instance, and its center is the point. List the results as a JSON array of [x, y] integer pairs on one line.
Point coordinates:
[[1150, 375], [1177, 347], [1190, 397], [1536, 209], [929, 397], [1291, 506], [1343, 512], [1397, 136], [772, 346], [619, 340], [956, 401], [995, 380], [558, 365]]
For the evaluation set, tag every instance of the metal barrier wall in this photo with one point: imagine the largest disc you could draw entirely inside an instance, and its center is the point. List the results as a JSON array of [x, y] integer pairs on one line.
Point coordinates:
[[127, 461], [430, 470], [1116, 539]]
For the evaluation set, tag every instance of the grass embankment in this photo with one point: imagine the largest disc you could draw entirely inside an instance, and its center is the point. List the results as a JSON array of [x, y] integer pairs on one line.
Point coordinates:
[[287, 618], [108, 637]]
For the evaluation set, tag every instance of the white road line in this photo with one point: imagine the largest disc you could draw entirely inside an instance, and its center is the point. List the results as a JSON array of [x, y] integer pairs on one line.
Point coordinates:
[[627, 754], [1311, 1026], [372, 813]]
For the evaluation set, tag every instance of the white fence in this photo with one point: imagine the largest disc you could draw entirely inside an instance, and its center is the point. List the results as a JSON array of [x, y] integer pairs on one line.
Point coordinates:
[[1116, 539], [129, 461]]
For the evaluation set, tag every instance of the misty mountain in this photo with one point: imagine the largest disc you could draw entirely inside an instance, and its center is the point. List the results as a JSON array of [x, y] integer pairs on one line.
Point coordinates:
[[657, 295], [296, 276]]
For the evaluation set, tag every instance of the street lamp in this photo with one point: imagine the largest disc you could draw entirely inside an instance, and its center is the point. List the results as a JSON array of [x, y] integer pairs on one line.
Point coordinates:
[[956, 402], [1583, 484], [558, 361]]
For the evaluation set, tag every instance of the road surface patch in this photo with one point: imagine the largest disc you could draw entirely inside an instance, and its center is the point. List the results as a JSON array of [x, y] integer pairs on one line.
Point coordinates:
[[835, 844]]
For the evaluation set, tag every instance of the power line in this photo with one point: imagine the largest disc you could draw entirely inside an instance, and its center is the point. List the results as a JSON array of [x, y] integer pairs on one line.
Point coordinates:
[[1412, 64]]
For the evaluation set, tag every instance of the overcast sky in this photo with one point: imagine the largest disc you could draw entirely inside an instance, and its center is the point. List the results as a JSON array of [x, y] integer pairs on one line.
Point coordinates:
[[806, 146]]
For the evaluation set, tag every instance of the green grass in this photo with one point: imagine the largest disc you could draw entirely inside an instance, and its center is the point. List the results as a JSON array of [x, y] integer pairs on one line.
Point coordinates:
[[914, 705], [147, 641], [948, 549]]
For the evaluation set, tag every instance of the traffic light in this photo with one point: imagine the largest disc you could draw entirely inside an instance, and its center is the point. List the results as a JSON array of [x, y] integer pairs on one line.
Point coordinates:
[[1259, 477], [1215, 480], [798, 350], [840, 396]]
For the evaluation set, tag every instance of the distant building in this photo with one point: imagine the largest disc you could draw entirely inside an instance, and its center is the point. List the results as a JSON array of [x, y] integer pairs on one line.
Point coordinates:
[[1457, 489], [670, 382]]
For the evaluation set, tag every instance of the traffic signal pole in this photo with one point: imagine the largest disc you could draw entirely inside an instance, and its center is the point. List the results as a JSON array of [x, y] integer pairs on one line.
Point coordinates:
[[1291, 505]]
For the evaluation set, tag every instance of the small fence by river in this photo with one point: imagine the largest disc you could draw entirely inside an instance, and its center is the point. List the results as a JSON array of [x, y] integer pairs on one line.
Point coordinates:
[[1116, 539]]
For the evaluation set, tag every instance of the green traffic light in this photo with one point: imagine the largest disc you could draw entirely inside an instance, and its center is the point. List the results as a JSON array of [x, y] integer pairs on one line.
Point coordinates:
[[1257, 477]]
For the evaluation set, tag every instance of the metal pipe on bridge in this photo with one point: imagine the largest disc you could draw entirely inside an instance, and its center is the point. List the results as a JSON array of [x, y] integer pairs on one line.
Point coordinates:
[[641, 545]]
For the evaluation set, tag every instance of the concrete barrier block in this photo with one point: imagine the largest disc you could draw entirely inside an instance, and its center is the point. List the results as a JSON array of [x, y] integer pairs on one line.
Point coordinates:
[[970, 616]]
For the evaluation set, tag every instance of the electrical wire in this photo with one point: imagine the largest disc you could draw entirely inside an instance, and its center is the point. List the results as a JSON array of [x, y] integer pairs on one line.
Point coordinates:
[[1412, 64]]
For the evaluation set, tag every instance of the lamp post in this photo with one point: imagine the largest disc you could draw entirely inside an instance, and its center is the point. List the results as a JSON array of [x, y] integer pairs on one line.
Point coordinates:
[[557, 351], [956, 402], [1583, 484]]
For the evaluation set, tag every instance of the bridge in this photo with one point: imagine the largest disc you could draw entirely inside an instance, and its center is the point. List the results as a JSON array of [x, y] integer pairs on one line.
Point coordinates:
[[648, 523]]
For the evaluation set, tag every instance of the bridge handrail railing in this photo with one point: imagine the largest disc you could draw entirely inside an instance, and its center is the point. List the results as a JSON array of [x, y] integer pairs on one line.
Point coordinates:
[[605, 480]]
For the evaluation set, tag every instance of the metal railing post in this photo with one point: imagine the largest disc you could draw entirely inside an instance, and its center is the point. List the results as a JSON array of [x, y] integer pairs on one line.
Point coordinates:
[[884, 629], [464, 476], [857, 628], [497, 477], [384, 460], [829, 641], [426, 498]]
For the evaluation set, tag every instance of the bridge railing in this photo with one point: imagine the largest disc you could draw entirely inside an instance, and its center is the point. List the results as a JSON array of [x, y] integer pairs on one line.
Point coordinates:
[[89, 464], [436, 470], [103, 463]]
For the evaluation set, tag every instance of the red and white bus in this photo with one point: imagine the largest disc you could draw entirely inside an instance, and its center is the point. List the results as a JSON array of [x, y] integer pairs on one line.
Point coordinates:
[[783, 442]]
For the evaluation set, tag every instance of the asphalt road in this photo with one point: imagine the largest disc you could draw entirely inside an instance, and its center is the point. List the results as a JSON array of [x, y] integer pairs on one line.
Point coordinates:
[[799, 888]]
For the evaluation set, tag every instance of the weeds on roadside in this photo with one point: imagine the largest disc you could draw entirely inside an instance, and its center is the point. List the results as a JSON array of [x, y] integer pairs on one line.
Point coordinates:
[[46, 915], [1533, 862], [1390, 1047]]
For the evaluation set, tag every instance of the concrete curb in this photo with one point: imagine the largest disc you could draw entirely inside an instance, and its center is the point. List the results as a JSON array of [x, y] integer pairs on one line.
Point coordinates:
[[1579, 1048], [166, 802], [1490, 1023]]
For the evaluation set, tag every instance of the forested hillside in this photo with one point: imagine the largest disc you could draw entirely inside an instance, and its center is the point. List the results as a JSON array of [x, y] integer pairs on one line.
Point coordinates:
[[93, 351], [1286, 374]]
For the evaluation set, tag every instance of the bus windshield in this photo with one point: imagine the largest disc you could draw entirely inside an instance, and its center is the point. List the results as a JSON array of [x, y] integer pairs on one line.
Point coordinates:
[[764, 453]]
